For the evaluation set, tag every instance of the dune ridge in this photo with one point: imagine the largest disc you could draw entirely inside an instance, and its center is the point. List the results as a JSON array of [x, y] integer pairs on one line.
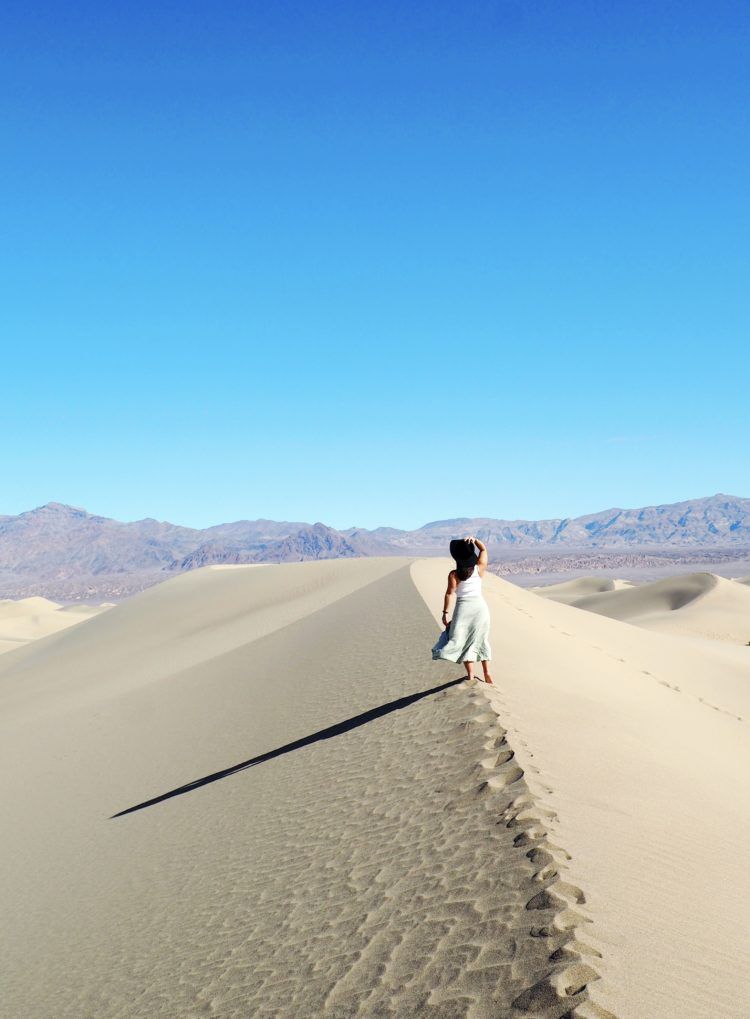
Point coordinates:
[[637, 741], [349, 834]]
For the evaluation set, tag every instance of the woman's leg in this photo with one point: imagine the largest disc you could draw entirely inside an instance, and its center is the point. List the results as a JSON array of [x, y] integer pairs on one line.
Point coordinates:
[[486, 670], [469, 666]]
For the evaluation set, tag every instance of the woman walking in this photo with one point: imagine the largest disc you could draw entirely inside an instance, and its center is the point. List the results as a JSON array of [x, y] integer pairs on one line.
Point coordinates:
[[466, 634]]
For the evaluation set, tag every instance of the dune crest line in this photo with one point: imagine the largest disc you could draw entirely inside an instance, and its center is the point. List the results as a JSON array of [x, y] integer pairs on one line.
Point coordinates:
[[562, 988]]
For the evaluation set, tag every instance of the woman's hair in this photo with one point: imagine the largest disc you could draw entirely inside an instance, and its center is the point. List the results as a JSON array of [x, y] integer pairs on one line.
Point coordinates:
[[464, 572]]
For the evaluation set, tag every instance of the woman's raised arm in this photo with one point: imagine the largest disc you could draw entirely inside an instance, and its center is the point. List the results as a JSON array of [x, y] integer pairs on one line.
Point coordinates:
[[483, 558]]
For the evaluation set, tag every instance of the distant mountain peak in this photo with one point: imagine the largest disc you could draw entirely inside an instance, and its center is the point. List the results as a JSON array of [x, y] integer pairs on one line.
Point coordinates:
[[452, 521], [63, 507]]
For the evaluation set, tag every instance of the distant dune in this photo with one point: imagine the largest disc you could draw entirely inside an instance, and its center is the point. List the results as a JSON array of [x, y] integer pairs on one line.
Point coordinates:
[[697, 604], [250, 792], [31, 618], [570, 591]]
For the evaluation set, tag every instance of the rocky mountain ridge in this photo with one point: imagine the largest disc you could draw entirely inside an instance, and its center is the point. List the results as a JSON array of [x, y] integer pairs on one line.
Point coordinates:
[[67, 553], [715, 520]]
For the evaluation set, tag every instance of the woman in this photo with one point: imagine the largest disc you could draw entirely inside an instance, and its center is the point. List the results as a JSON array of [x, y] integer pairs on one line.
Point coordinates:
[[466, 635]]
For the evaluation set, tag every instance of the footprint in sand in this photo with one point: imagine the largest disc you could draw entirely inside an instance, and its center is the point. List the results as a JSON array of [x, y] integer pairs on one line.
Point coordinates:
[[669, 686]]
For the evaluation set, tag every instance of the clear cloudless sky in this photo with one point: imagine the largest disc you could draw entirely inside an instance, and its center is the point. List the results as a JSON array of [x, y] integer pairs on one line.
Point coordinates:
[[373, 262]]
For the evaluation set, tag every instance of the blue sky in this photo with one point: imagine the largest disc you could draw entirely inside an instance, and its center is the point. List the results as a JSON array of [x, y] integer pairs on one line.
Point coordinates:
[[373, 263]]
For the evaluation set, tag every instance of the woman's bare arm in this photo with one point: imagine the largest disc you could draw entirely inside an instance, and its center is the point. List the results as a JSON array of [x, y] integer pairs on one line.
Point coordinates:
[[483, 559], [449, 592]]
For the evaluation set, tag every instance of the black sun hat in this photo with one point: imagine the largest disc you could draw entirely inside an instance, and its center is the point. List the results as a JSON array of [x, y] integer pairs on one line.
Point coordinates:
[[464, 552]]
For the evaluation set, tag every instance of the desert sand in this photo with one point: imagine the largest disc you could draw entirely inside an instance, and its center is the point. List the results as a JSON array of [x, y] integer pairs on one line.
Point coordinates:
[[250, 792], [374, 869], [28, 619]]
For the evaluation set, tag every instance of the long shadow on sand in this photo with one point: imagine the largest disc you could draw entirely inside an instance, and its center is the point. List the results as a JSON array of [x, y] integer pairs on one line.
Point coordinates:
[[305, 741]]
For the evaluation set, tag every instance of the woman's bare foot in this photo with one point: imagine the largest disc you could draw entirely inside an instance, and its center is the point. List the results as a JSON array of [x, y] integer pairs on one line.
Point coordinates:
[[488, 679]]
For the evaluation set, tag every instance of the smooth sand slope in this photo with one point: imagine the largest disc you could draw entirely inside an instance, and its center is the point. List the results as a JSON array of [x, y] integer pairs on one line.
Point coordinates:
[[639, 743], [695, 604], [394, 864], [29, 619]]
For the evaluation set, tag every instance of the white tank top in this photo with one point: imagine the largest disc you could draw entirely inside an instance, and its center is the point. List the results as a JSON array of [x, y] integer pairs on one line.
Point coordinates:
[[471, 588]]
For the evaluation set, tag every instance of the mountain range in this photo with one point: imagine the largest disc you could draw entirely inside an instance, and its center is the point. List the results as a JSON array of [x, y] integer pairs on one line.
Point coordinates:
[[65, 552]]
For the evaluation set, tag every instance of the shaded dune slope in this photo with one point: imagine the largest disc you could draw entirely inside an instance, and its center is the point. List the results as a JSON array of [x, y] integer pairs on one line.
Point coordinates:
[[390, 865]]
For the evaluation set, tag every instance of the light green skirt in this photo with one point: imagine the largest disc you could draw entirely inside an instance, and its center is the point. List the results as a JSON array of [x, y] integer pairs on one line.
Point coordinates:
[[467, 639]]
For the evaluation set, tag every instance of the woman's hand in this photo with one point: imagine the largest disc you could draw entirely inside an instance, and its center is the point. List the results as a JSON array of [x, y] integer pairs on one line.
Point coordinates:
[[479, 544]]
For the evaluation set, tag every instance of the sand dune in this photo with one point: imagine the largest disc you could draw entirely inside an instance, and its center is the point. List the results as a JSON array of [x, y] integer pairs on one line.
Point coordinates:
[[697, 604], [316, 825], [249, 792], [637, 742], [28, 619], [569, 591]]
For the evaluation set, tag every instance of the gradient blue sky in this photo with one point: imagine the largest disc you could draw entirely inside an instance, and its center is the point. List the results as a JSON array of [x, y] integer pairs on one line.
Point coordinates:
[[373, 263]]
